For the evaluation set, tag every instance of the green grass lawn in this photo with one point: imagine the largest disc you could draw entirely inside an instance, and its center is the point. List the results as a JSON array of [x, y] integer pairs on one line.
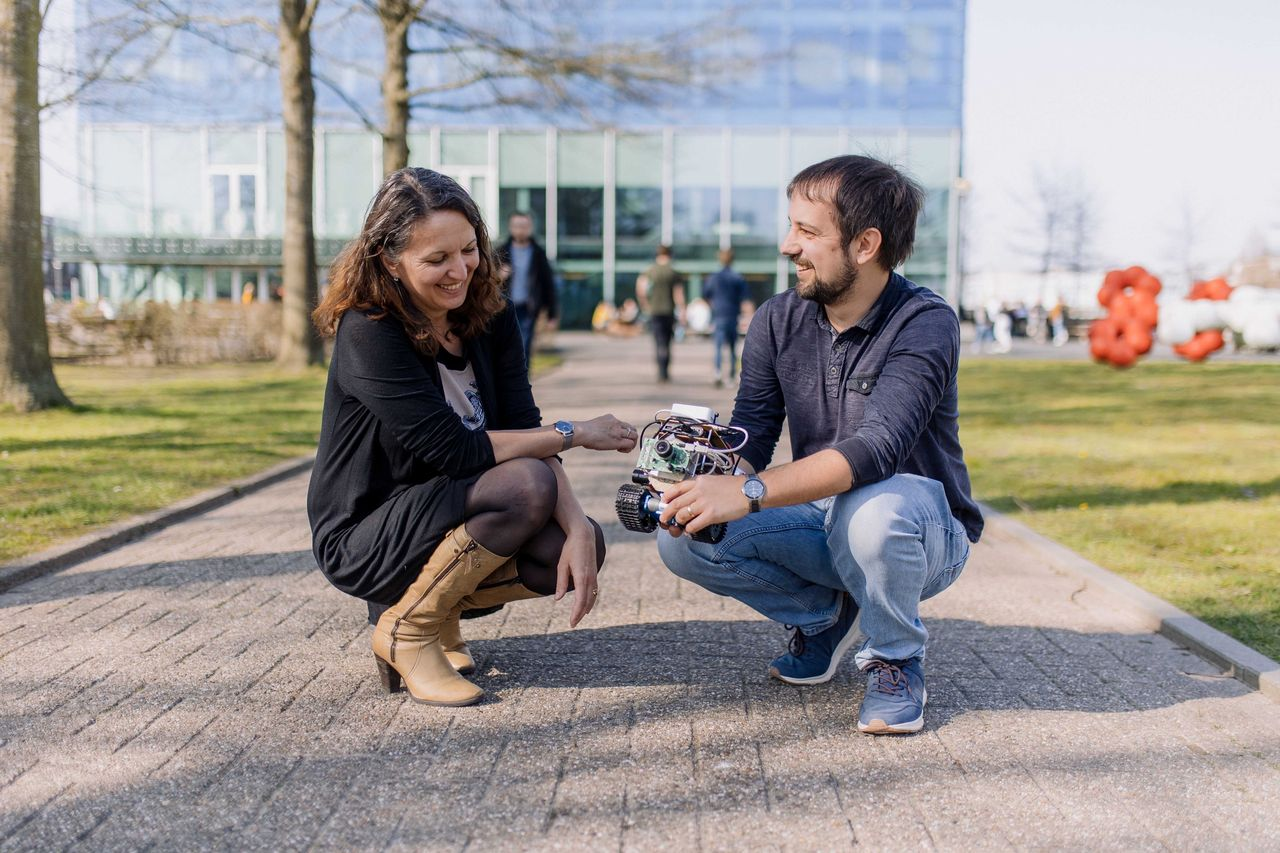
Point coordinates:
[[142, 438], [1168, 474]]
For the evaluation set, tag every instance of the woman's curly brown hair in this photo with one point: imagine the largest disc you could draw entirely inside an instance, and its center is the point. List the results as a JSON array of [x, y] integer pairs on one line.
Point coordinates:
[[359, 279]]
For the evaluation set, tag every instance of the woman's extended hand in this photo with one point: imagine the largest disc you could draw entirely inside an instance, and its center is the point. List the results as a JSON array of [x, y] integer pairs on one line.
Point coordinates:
[[605, 433], [578, 560]]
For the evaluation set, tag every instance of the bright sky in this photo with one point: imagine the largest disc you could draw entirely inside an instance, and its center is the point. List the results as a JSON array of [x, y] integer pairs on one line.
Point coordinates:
[[1152, 102]]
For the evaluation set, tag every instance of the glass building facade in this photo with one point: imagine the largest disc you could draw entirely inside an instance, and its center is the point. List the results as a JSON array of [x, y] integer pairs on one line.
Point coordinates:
[[194, 210]]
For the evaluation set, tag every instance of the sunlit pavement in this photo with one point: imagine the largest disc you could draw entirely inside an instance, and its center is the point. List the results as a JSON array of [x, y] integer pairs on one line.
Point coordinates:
[[205, 687]]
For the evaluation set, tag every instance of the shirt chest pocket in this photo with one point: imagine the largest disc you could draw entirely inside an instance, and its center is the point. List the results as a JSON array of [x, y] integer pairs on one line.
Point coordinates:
[[862, 384], [856, 397]]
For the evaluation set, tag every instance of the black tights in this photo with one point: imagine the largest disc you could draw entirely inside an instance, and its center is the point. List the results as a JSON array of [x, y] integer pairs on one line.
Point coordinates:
[[509, 511]]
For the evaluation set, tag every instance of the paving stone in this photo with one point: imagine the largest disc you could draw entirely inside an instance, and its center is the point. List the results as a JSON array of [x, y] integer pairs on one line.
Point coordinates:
[[205, 687]]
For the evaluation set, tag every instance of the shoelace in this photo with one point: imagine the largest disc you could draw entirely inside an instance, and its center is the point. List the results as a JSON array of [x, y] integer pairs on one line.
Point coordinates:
[[889, 679], [796, 644]]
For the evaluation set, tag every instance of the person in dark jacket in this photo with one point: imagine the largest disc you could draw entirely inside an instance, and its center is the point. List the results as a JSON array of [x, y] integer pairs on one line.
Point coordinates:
[[436, 490], [530, 282], [874, 513]]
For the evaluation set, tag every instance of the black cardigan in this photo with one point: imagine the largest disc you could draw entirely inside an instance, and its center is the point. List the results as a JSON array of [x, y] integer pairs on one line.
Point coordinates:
[[387, 431]]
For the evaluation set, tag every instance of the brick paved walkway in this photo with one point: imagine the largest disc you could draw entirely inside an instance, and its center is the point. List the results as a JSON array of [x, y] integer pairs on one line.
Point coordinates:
[[206, 688]]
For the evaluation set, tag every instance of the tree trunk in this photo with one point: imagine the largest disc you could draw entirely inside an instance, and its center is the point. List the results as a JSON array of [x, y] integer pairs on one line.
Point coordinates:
[[299, 343], [26, 370], [395, 16]]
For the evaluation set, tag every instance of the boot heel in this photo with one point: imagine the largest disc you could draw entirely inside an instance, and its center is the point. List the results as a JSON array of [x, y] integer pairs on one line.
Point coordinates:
[[391, 681]]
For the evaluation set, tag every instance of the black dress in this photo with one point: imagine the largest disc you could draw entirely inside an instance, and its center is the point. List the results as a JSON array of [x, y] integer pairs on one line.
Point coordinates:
[[394, 461]]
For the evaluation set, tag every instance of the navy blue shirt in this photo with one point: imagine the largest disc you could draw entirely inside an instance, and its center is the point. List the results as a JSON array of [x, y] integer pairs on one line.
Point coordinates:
[[882, 392], [725, 290]]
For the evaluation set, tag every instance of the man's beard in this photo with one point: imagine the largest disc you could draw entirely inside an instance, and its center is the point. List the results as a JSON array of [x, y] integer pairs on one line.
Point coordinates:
[[826, 292]]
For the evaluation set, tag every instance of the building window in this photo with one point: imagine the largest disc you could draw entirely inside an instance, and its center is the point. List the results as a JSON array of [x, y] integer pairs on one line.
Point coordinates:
[[234, 195], [638, 197], [522, 181], [753, 226], [580, 196], [698, 170]]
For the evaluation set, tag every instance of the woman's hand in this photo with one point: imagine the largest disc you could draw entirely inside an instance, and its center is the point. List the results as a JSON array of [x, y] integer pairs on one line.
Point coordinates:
[[605, 433], [578, 560]]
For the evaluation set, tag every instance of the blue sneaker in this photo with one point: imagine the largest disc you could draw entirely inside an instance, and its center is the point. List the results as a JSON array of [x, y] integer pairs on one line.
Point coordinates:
[[894, 703], [813, 660]]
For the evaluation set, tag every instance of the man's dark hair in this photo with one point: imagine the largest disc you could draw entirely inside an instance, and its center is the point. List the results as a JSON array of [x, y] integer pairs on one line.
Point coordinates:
[[513, 214], [664, 251], [867, 194]]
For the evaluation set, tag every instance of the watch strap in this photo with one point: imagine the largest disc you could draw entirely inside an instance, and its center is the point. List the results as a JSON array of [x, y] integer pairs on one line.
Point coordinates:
[[754, 501]]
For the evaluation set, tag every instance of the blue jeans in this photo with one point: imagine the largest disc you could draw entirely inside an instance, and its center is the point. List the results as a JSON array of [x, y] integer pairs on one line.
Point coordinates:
[[526, 321], [726, 335], [889, 544]]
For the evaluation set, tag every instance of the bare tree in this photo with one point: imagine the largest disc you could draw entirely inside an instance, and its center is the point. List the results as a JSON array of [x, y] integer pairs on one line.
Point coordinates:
[[546, 69], [1081, 227], [26, 369], [1062, 219], [284, 42], [1184, 241], [508, 56], [109, 51], [299, 345], [122, 43]]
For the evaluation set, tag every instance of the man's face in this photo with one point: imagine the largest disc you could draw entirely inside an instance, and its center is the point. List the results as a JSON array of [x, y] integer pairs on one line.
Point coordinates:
[[520, 228], [813, 243]]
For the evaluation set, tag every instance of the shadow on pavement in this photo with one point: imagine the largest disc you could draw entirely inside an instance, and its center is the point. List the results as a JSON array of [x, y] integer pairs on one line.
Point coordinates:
[[971, 666], [160, 575]]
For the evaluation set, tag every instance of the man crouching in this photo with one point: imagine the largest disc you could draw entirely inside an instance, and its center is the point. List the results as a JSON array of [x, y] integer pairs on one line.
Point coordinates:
[[874, 513]]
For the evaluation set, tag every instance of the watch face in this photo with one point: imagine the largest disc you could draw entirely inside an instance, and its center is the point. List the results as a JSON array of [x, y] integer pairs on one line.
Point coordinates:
[[564, 427], [753, 489]]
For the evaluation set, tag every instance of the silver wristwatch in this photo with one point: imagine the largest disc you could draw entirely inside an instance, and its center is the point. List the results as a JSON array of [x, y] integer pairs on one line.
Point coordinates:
[[565, 428]]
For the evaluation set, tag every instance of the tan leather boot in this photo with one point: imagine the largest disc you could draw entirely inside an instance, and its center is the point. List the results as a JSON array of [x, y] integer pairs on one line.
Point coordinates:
[[406, 641], [501, 587]]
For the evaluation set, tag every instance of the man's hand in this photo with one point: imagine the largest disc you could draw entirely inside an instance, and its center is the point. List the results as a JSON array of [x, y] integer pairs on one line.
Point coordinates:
[[703, 501]]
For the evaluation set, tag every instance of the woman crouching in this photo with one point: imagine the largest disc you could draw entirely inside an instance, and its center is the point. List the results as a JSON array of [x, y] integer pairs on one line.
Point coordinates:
[[436, 490]]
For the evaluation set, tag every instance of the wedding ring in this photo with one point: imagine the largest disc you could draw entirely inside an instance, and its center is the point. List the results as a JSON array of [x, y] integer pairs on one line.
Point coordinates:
[[595, 593]]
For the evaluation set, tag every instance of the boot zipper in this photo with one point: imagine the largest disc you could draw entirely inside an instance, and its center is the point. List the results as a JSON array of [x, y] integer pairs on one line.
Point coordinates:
[[453, 564]]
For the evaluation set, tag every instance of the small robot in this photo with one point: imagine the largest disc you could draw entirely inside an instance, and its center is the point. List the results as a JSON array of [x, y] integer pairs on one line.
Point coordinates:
[[678, 444]]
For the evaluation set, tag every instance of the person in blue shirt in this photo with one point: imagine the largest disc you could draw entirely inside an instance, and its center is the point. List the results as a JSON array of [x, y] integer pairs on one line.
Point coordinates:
[[725, 291], [874, 513]]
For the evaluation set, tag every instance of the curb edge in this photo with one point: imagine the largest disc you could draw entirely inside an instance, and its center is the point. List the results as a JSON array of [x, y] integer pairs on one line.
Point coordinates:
[[119, 533], [1246, 664]]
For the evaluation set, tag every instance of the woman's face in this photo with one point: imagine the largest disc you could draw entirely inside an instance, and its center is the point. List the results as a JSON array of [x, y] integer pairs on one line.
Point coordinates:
[[437, 264]]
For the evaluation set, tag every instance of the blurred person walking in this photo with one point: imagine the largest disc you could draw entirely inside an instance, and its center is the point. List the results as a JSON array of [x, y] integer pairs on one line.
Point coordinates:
[[529, 280], [1058, 323], [660, 291], [725, 291], [1002, 326]]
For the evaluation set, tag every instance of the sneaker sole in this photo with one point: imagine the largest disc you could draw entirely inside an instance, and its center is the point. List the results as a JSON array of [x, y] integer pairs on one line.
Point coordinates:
[[823, 678], [880, 727]]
